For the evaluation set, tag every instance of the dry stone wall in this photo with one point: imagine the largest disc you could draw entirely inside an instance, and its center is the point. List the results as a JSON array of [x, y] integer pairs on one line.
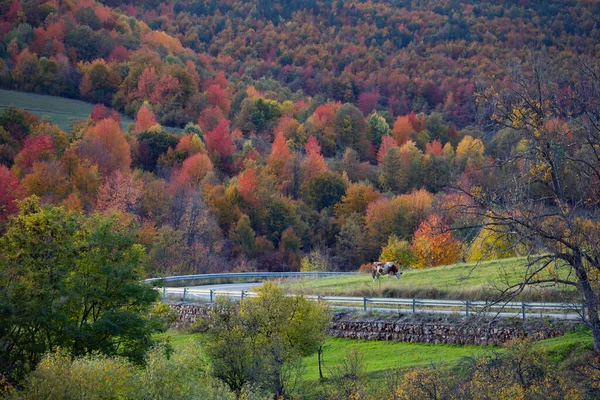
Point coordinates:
[[417, 328], [188, 314]]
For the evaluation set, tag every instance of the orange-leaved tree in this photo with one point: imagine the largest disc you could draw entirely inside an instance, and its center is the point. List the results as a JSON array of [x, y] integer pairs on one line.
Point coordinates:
[[192, 171], [105, 144], [403, 129], [248, 185], [145, 119], [279, 161], [315, 164], [433, 244], [356, 200]]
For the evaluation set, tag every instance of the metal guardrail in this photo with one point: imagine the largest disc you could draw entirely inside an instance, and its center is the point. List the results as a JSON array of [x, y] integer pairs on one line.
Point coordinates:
[[569, 310], [247, 275]]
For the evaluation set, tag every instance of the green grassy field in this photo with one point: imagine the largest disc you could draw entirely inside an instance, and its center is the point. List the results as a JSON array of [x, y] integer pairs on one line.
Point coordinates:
[[59, 110], [471, 281], [380, 356]]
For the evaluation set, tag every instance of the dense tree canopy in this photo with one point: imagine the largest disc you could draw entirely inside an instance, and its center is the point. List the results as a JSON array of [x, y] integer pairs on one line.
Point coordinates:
[[70, 281]]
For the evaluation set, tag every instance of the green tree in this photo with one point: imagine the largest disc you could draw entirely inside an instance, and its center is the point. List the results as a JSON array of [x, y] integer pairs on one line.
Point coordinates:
[[351, 128], [353, 246], [397, 251], [264, 339], [325, 190], [87, 16], [153, 143], [377, 127], [391, 176], [281, 214], [70, 281], [243, 236]]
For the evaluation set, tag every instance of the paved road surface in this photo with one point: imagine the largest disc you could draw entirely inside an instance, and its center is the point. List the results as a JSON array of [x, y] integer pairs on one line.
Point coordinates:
[[229, 286]]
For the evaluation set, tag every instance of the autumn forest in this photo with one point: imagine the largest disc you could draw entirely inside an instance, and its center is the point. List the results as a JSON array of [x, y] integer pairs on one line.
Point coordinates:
[[289, 135], [275, 135]]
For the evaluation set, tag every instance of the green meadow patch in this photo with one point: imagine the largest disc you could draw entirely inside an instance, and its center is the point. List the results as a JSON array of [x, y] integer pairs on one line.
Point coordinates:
[[58, 110], [380, 356]]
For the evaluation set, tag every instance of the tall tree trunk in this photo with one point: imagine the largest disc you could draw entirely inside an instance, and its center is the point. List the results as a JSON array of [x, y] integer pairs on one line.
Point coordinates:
[[319, 353], [590, 299]]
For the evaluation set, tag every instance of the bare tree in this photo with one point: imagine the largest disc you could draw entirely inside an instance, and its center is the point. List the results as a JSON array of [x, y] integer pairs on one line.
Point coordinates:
[[548, 199]]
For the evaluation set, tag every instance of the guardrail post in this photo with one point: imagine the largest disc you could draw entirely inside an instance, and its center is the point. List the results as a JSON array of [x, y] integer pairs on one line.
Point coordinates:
[[242, 294], [523, 309], [414, 305], [164, 292], [184, 293], [211, 295], [318, 298], [365, 304], [467, 308]]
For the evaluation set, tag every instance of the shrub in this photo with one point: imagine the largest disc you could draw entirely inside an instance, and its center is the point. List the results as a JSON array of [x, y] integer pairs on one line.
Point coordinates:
[[180, 376], [57, 376], [316, 261], [366, 268]]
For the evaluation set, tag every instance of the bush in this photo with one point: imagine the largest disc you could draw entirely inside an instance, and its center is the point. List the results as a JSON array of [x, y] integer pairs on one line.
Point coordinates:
[[349, 377], [179, 376], [57, 376], [316, 261], [366, 268], [521, 372], [262, 341]]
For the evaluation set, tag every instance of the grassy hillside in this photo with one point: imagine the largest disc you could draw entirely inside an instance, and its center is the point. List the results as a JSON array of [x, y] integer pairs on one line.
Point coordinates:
[[61, 111], [460, 281]]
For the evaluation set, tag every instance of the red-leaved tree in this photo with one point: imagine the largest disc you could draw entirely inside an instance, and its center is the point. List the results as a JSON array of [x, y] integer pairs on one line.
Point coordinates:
[[387, 142], [35, 148], [219, 143], [10, 190]]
